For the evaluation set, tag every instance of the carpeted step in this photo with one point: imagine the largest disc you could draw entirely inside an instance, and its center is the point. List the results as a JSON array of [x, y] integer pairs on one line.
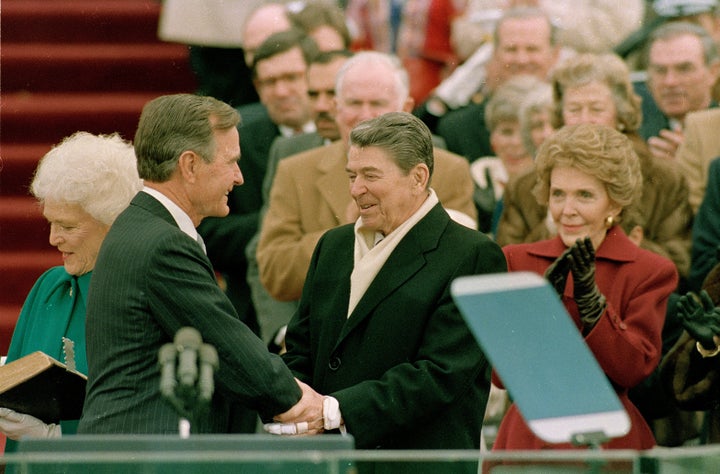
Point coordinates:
[[47, 118], [79, 21], [41, 67], [22, 225], [8, 317], [19, 161], [20, 270]]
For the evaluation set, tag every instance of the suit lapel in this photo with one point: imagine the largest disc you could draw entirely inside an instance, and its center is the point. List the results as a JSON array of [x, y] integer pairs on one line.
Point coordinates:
[[406, 260]]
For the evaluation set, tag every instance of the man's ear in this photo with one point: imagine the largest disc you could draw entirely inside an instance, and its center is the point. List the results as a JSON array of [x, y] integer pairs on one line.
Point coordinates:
[[188, 165], [408, 105], [421, 176]]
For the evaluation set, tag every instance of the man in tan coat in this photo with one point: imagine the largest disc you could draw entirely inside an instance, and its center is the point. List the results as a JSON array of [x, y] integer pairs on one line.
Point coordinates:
[[310, 193], [700, 147]]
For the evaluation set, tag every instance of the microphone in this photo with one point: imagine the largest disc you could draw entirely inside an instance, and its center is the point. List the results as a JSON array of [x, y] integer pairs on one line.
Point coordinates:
[[187, 342], [166, 358], [209, 363]]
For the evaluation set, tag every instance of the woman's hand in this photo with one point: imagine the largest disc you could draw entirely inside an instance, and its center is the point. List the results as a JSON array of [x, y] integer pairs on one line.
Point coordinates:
[[591, 303], [700, 318]]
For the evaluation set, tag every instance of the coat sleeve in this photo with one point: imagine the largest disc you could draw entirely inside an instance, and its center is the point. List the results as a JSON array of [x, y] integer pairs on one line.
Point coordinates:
[[706, 231], [183, 292]]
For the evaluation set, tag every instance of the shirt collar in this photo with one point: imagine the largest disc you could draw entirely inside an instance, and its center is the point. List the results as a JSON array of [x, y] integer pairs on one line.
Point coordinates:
[[181, 218], [286, 131]]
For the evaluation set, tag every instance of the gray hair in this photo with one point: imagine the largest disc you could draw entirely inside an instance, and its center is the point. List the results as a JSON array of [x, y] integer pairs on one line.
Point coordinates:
[[173, 124], [369, 58], [538, 100], [504, 104], [403, 136], [97, 172], [673, 29]]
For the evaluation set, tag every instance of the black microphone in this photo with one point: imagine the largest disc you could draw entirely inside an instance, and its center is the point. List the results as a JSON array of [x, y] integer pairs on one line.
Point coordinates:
[[187, 343], [209, 363], [166, 359]]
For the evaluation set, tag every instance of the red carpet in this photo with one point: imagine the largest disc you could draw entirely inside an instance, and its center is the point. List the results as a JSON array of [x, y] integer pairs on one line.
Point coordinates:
[[67, 65]]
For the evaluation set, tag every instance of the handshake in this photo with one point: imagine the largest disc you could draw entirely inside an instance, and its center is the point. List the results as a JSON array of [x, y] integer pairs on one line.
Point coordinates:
[[312, 415]]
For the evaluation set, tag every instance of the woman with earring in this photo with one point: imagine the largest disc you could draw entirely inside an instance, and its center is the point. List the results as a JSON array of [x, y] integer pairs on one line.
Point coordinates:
[[596, 88], [589, 178]]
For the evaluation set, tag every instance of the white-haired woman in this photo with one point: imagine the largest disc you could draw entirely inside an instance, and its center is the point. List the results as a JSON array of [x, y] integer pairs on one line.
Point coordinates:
[[82, 185]]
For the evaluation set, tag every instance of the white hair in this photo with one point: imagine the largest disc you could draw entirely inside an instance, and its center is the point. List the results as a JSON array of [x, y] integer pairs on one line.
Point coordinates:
[[97, 172], [388, 61]]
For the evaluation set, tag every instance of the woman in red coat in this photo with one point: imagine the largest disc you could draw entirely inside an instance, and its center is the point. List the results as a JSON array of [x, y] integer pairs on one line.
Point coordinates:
[[616, 292]]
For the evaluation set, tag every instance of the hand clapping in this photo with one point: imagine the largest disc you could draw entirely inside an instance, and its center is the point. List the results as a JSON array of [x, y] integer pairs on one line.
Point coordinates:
[[700, 318]]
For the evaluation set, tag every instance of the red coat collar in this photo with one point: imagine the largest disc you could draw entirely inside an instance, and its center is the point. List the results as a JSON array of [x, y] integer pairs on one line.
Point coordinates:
[[616, 246]]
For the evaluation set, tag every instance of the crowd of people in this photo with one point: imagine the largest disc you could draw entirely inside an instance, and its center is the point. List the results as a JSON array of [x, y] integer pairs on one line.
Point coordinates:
[[310, 224]]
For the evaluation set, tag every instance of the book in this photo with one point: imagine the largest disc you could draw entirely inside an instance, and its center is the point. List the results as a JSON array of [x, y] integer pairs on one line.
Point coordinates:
[[42, 387]]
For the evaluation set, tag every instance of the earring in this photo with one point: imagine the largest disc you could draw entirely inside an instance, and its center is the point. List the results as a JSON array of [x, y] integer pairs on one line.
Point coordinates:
[[609, 221]]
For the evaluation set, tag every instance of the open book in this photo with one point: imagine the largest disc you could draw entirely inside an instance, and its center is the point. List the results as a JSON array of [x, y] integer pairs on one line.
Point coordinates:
[[42, 387]]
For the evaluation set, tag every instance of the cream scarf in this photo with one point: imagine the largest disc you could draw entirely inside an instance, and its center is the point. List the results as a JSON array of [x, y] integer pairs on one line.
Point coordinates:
[[370, 255]]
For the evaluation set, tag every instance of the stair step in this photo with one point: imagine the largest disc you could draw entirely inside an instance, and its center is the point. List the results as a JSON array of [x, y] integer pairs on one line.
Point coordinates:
[[20, 270], [19, 161], [8, 318], [79, 21], [107, 67], [22, 225], [47, 118]]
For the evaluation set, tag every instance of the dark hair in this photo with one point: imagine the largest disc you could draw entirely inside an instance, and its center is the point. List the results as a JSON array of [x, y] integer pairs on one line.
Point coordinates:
[[172, 124], [283, 41], [405, 137], [315, 15]]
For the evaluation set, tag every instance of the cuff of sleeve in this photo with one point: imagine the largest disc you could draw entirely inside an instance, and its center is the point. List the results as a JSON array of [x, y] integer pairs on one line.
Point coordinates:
[[332, 417]]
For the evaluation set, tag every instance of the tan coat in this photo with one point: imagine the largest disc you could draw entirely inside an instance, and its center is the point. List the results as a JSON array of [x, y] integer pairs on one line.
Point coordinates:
[[310, 195], [664, 207], [700, 147]]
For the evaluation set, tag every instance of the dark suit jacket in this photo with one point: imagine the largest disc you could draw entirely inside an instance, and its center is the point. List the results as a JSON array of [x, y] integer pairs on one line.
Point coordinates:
[[465, 131], [404, 366], [150, 280], [227, 237], [706, 230]]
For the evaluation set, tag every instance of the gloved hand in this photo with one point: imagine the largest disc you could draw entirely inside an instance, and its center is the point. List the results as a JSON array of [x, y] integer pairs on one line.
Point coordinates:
[[17, 425], [591, 303], [700, 318], [557, 272]]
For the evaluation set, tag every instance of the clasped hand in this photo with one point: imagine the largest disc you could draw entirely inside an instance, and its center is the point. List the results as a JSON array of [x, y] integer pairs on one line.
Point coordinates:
[[578, 259], [700, 318], [311, 415]]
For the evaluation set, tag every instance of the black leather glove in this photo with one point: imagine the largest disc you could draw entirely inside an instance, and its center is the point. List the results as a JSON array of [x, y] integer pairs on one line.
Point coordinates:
[[557, 272], [700, 318], [591, 303]]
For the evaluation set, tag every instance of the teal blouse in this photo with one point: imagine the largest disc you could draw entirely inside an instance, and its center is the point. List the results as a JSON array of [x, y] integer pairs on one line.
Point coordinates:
[[54, 308]]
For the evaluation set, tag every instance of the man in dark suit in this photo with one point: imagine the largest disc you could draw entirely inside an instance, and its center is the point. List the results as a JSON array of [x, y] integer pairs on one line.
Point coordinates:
[[152, 277], [376, 329], [279, 69], [272, 314]]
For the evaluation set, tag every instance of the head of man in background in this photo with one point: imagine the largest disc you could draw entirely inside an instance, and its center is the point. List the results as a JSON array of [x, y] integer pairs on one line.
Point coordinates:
[[280, 77], [321, 89], [260, 24], [682, 68], [525, 43], [368, 85]]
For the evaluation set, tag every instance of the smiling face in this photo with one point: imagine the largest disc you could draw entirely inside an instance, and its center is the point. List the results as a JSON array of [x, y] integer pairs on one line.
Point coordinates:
[[281, 83], [385, 196], [579, 204], [214, 180], [678, 77], [76, 234]]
